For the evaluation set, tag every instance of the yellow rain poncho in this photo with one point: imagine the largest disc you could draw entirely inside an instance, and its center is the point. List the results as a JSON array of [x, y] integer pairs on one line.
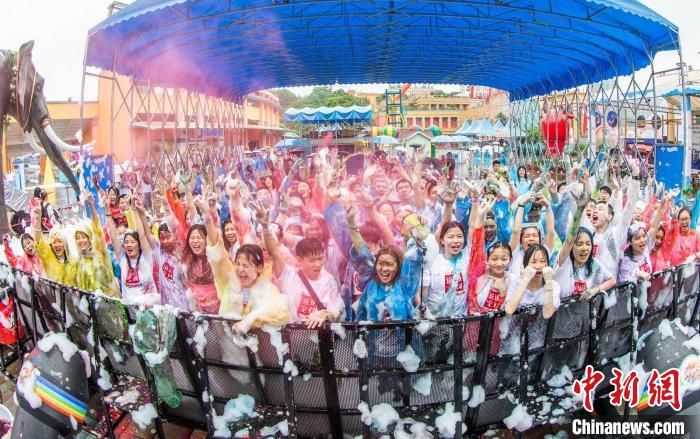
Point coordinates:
[[94, 270], [62, 272]]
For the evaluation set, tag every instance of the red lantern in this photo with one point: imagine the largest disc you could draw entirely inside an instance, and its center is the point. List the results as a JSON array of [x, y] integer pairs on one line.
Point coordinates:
[[555, 130]]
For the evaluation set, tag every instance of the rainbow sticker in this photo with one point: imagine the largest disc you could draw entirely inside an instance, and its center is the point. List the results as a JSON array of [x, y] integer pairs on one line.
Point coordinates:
[[60, 400]]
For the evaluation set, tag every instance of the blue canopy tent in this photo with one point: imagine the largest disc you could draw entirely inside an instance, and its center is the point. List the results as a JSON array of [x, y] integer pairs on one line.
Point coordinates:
[[475, 128], [229, 49], [352, 114], [464, 129], [486, 129]]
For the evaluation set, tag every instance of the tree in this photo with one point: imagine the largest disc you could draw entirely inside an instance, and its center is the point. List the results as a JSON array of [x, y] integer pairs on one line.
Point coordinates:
[[325, 97], [502, 117], [286, 97]]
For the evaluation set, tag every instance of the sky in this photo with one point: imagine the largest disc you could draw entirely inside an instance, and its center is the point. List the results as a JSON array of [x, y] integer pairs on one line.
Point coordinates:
[[59, 29]]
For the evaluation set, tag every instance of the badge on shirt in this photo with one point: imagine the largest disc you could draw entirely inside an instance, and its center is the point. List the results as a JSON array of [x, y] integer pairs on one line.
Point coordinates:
[[168, 271], [306, 307], [645, 267], [494, 300], [132, 277], [579, 287], [595, 250], [460, 283]]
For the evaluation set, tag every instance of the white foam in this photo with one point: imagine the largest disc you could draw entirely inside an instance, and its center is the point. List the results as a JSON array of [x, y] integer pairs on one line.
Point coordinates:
[[144, 415], [339, 330], [519, 419], [478, 396], [200, 340], [359, 348], [383, 415], [408, 359], [423, 384], [290, 368], [446, 423], [665, 330], [276, 341]]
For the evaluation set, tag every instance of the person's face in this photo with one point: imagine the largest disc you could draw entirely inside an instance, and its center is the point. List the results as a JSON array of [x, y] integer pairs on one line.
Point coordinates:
[[453, 241], [600, 216], [684, 220], [394, 173], [639, 242], [521, 172], [496, 166], [534, 215], [498, 261], [303, 173], [489, 229], [530, 236], [404, 190], [582, 248], [388, 213], [588, 211], [123, 204], [433, 195], [246, 271], [82, 241], [28, 247], [658, 239], [59, 247], [315, 230], [167, 241], [312, 265], [296, 230], [268, 182], [538, 262], [197, 243], [638, 215], [230, 233], [380, 187], [131, 246], [604, 196], [112, 198], [304, 189], [387, 269]]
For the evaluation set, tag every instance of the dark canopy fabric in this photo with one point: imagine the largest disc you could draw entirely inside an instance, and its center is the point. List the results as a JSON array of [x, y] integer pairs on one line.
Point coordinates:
[[231, 48], [352, 114]]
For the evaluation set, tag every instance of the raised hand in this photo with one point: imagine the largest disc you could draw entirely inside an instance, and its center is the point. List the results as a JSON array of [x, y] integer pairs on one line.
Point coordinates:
[[547, 273], [261, 214], [448, 195], [528, 273]]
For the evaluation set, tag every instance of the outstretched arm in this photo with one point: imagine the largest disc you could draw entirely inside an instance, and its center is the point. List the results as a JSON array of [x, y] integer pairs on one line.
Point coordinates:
[[271, 245]]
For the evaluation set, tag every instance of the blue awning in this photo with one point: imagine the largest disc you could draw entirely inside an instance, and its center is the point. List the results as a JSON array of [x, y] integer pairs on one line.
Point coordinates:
[[353, 114], [231, 48]]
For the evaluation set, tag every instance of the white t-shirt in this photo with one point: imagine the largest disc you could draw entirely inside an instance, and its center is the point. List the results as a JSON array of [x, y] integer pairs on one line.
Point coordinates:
[[536, 297], [491, 298], [441, 278], [576, 283], [301, 304], [138, 281]]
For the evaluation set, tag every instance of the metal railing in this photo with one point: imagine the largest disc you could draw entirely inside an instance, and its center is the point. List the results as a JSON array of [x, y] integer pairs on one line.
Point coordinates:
[[313, 380]]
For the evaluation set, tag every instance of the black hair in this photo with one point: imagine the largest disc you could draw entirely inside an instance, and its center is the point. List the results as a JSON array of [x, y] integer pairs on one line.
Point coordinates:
[[394, 252], [163, 227], [517, 174], [611, 211], [253, 252], [227, 244], [563, 183], [530, 226], [403, 180], [628, 251], [499, 244], [588, 265], [451, 225], [684, 209], [530, 252], [309, 247], [606, 189]]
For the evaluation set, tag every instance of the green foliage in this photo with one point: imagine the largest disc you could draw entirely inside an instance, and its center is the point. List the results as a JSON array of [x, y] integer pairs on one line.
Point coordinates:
[[534, 134], [286, 97], [502, 117], [325, 97]]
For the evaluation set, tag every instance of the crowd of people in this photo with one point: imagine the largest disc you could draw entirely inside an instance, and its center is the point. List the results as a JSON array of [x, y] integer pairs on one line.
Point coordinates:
[[397, 237]]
